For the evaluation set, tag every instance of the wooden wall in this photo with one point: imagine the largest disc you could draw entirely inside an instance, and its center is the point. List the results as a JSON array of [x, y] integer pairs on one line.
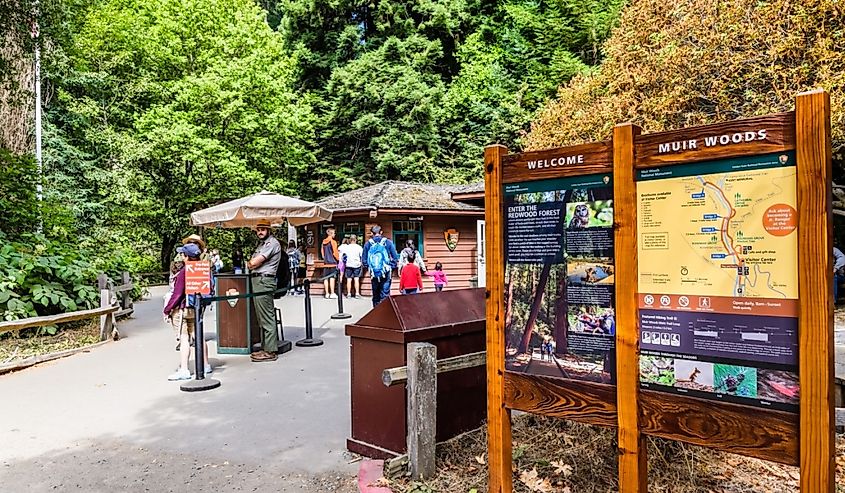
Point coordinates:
[[459, 265]]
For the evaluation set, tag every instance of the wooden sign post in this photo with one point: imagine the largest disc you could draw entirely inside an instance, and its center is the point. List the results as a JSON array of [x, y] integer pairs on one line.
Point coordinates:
[[670, 267]]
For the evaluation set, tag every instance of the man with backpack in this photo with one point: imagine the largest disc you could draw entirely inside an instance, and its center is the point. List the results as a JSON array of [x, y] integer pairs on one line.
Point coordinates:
[[380, 259]]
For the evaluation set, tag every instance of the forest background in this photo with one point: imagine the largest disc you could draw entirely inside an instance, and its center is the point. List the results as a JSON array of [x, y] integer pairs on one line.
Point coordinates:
[[156, 108]]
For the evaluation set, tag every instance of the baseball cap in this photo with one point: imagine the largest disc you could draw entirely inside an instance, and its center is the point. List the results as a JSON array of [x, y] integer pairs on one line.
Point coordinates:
[[190, 249]]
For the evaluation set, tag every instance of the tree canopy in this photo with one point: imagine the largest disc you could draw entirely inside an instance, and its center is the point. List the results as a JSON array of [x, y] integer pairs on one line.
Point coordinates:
[[675, 64]]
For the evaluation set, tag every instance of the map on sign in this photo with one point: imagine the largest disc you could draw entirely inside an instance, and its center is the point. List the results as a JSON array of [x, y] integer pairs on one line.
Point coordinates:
[[724, 228]]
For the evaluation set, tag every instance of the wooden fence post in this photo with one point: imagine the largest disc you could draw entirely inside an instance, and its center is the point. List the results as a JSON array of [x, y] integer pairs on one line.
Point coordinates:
[[126, 296], [102, 281], [422, 408], [633, 471], [107, 319], [815, 281], [499, 439]]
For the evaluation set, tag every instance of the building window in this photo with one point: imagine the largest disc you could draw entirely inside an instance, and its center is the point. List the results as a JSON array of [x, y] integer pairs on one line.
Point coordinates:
[[408, 230]]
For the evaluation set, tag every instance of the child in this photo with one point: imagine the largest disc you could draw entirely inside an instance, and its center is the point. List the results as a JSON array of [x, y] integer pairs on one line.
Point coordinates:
[[410, 279], [439, 276]]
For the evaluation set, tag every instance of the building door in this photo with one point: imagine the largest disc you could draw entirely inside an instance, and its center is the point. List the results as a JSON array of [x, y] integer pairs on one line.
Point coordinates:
[[481, 245]]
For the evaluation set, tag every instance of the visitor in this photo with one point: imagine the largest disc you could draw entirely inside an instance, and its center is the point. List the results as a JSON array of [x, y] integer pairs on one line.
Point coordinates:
[[351, 254], [182, 317], [404, 257], [293, 262], [216, 261], [410, 278], [439, 276], [263, 266], [331, 258], [175, 266], [379, 258]]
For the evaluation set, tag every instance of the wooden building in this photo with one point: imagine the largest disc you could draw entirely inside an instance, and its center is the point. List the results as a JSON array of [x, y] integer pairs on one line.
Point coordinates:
[[444, 222]]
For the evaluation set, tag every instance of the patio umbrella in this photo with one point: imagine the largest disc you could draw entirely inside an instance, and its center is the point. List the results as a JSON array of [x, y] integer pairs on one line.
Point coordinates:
[[263, 206]]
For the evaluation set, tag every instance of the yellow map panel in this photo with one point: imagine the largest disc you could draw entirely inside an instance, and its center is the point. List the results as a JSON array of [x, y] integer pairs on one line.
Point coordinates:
[[724, 234]]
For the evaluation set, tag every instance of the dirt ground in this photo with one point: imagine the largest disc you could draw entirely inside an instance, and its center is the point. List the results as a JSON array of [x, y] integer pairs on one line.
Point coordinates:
[[556, 456]]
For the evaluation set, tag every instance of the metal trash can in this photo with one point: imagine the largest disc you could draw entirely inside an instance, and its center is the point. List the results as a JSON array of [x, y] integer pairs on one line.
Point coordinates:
[[455, 323]]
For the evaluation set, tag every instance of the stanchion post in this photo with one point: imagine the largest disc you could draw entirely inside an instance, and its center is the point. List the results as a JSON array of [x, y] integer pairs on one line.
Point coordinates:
[[340, 314], [309, 340], [200, 382]]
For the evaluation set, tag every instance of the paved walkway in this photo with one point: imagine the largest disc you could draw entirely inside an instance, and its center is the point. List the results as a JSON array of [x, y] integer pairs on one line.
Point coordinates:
[[108, 420]]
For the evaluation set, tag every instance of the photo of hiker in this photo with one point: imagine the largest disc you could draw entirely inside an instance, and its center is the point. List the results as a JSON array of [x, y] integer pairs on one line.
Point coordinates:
[[592, 319]]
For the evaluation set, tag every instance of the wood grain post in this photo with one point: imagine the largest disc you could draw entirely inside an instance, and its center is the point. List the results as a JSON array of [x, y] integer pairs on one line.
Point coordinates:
[[106, 319], [102, 281], [633, 472], [499, 444], [422, 408], [126, 296], [815, 287]]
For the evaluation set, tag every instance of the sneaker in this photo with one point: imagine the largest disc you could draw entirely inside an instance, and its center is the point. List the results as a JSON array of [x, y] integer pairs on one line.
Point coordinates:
[[333, 296], [326, 296], [208, 370], [180, 375], [357, 297]]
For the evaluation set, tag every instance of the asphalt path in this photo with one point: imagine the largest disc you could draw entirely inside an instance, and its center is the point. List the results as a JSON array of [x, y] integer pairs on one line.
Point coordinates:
[[108, 420]]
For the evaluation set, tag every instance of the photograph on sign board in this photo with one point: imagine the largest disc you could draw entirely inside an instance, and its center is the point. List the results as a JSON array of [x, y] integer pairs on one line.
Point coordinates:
[[592, 319], [545, 281], [695, 375], [657, 369], [598, 214], [587, 271], [778, 385], [735, 380]]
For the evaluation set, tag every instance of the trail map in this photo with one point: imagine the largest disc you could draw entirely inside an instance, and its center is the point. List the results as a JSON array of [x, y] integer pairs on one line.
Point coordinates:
[[720, 234]]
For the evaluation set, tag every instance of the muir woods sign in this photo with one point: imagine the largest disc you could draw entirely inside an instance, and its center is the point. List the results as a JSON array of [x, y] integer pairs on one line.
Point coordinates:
[[659, 275]]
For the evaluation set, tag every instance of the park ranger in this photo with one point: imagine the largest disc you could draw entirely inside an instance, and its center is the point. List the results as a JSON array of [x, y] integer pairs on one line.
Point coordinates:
[[263, 265]]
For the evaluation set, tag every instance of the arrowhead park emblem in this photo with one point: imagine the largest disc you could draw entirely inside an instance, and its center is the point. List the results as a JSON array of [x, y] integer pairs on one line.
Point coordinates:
[[232, 292], [452, 237]]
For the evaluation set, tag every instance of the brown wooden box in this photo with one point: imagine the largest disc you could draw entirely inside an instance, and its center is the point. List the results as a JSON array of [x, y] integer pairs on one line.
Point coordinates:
[[454, 322]]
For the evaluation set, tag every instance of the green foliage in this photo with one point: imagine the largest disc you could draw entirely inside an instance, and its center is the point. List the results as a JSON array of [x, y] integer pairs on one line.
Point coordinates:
[[17, 194], [676, 64], [43, 277]]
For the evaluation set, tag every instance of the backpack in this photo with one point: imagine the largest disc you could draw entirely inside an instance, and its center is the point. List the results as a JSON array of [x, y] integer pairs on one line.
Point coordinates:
[[282, 273], [377, 259]]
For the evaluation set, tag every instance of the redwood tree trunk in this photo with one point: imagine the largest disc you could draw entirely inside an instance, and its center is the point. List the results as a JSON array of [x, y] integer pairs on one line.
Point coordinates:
[[535, 308], [509, 305], [561, 321]]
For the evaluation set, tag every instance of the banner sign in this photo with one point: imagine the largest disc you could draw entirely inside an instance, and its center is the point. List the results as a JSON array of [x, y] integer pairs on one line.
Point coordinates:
[[197, 277]]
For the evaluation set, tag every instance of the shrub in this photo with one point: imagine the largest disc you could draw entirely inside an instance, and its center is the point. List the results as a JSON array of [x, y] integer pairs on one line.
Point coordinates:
[[42, 277]]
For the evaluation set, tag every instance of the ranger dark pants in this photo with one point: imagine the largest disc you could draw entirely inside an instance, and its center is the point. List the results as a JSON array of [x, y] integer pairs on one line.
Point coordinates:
[[266, 312]]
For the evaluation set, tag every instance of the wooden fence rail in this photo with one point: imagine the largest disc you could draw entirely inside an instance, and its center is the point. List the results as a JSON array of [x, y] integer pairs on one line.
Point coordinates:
[[108, 311]]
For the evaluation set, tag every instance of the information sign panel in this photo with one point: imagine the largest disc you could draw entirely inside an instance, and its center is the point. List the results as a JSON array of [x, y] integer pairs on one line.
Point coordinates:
[[197, 277], [559, 254]]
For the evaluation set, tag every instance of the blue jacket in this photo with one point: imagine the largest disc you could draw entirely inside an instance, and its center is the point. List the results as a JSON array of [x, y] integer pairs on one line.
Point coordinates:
[[388, 245]]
